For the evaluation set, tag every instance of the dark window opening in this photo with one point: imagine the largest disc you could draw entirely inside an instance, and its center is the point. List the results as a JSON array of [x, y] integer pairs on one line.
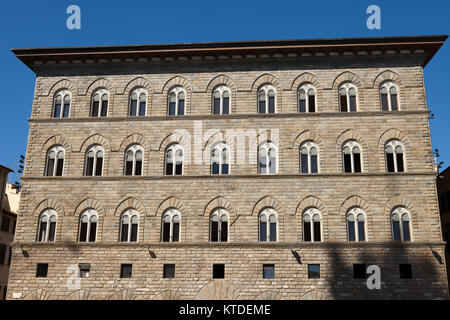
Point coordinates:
[[169, 271], [357, 162], [347, 163], [126, 270], [268, 271], [41, 270], [405, 271], [307, 231], [359, 271], [5, 224], [84, 270], [313, 271], [218, 271], [390, 162]]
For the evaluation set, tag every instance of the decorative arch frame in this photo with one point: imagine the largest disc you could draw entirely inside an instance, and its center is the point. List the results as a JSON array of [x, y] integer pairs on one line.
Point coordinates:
[[80, 294], [49, 204], [219, 203], [96, 139], [269, 79], [217, 290], [212, 140], [356, 201], [393, 134], [269, 202], [223, 80], [167, 295], [135, 139], [314, 295], [124, 205], [178, 81], [124, 294], [312, 202], [38, 294], [348, 77], [55, 141], [139, 82], [100, 83], [401, 201], [389, 76], [63, 84], [308, 78], [348, 135], [89, 203], [309, 136], [270, 137], [268, 295]]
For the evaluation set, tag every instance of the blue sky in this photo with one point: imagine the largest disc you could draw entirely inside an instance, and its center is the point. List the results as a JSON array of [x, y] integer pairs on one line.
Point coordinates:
[[25, 24]]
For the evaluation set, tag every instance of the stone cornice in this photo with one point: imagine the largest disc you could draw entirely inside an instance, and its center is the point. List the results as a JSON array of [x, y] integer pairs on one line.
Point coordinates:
[[235, 176], [281, 245], [233, 116]]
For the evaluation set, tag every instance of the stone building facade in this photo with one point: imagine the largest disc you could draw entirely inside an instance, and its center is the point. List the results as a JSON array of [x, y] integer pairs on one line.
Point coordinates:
[[87, 115], [9, 205]]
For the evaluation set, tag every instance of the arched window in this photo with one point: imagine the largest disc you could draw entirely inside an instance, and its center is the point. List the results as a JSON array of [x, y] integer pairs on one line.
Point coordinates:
[[312, 229], [138, 103], [394, 156], [61, 104], [307, 98], [174, 160], [129, 226], [221, 100], [171, 226], [88, 226], [351, 157], [389, 97], [99, 106], [267, 158], [268, 225], [47, 226], [348, 98], [219, 226], [177, 98], [55, 161], [94, 161], [401, 226], [220, 159], [356, 224], [266, 99], [133, 160], [309, 162]]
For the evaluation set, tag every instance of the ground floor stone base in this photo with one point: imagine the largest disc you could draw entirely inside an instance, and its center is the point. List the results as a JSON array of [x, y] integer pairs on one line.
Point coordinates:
[[243, 271]]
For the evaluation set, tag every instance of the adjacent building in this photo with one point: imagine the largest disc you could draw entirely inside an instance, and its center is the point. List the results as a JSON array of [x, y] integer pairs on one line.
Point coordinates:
[[234, 170], [443, 189], [9, 206]]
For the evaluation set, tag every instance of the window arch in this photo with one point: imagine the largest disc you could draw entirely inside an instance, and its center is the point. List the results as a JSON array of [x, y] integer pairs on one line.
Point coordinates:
[[220, 159], [267, 99], [54, 165], [138, 103], [395, 160], [356, 224], [171, 226], [129, 226], [389, 97], [133, 160], [307, 98], [61, 104], [94, 161], [351, 157], [100, 100], [88, 226], [174, 160], [47, 226], [312, 228], [221, 100], [218, 226], [348, 97], [177, 101], [268, 220], [267, 158], [309, 157], [401, 225]]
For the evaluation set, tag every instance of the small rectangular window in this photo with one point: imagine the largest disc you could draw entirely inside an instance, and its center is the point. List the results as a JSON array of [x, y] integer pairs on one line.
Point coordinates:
[[405, 271], [5, 224], [2, 254], [218, 271], [41, 270], [126, 270], [359, 271], [169, 271], [313, 271], [268, 271], [84, 270]]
